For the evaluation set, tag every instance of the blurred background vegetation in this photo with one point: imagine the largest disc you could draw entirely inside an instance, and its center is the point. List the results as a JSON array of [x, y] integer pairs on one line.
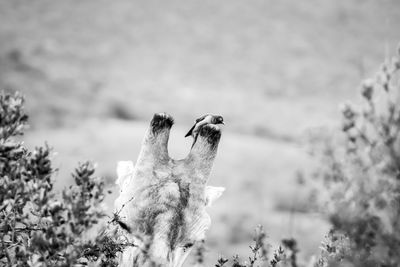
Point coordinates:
[[94, 72]]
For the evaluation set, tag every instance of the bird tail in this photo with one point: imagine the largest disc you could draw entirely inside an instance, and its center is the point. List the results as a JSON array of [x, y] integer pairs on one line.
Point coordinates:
[[190, 131]]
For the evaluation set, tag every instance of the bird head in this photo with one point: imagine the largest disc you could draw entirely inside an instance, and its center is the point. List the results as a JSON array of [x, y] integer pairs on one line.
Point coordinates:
[[218, 120]]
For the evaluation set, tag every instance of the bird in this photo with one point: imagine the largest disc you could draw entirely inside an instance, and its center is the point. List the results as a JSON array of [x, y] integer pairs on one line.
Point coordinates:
[[205, 119]]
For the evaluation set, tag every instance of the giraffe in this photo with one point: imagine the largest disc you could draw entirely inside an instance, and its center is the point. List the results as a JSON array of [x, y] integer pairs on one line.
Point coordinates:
[[163, 201]]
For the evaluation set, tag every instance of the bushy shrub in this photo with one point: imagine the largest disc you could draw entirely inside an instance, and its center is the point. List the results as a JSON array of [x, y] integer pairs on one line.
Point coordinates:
[[38, 227], [362, 178]]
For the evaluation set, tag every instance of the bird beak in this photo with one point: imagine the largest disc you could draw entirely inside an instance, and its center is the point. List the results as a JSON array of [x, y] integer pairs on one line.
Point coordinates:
[[223, 123]]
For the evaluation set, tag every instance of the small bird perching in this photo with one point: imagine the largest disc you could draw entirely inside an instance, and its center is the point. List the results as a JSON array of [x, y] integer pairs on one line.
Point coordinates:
[[162, 202]]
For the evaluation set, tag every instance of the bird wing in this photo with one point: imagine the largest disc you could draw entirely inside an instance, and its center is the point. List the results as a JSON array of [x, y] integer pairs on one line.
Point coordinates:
[[190, 131], [201, 118]]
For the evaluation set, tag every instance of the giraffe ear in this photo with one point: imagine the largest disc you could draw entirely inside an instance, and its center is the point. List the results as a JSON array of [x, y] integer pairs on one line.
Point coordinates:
[[212, 194], [124, 172]]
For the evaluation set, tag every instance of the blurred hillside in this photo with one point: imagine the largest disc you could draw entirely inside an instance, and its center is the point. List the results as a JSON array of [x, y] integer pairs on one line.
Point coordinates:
[[129, 59], [94, 72]]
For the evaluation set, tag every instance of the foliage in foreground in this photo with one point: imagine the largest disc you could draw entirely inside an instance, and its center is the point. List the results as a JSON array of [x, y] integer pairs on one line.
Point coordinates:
[[37, 227], [259, 255], [362, 178]]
